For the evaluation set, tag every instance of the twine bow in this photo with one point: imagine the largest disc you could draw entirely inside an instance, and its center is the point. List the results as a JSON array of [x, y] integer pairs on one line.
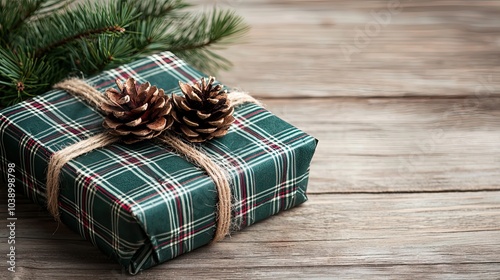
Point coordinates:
[[80, 88]]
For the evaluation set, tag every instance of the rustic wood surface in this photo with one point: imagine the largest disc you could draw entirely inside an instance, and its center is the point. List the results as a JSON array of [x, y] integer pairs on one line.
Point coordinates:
[[405, 183]]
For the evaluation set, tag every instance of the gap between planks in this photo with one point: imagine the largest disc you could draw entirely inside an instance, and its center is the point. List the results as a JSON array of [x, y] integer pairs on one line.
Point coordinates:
[[351, 236]]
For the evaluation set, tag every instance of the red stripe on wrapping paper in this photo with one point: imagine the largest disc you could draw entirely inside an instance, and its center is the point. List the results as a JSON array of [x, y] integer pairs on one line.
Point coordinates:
[[145, 67], [87, 186], [124, 73], [38, 106], [84, 216], [251, 114], [104, 84], [255, 155], [73, 130], [269, 146], [163, 190], [241, 177], [131, 159], [32, 144], [19, 109], [41, 106], [293, 140], [282, 194], [173, 62], [191, 233], [44, 107], [72, 211], [180, 219], [186, 75], [30, 147]]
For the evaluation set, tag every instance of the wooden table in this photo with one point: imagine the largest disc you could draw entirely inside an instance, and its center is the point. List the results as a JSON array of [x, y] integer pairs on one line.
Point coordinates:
[[405, 183]]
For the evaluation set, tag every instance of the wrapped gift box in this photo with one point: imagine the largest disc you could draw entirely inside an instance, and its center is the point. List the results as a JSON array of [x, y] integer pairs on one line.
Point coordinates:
[[143, 204]]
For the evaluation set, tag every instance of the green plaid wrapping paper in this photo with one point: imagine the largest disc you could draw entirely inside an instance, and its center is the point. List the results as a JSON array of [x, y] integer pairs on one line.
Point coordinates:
[[142, 204]]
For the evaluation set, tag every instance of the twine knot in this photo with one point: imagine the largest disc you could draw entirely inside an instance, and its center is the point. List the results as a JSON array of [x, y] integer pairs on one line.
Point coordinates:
[[78, 87]]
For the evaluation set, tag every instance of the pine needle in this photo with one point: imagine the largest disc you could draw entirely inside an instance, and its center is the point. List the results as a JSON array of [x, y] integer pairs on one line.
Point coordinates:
[[43, 41]]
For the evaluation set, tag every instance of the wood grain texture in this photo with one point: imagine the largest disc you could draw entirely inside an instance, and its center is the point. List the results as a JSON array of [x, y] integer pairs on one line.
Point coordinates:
[[405, 181], [428, 48], [399, 144], [454, 235]]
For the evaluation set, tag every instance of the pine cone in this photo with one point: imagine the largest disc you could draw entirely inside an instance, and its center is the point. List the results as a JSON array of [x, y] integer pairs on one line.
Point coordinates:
[[137, 111], [203, 112]]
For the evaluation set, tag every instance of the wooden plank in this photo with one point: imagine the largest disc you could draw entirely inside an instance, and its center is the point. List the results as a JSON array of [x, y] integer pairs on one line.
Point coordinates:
[[399, 144], [451, 235], [429, 48], [350, 228]]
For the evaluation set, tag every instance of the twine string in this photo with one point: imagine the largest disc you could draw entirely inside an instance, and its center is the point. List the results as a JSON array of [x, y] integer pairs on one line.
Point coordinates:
[[215, 172], [80, 88], [61, 157]]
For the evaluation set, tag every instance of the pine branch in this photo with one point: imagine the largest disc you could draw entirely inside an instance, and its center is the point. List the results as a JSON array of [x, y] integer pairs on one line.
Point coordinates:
[[103, 52], [216, 29], [82, 22], [205, 59], [146, 35], [15, 14], [84, 35], [10, 22], [51, 6], [29, 12], [189, 37], [155, 8], [22, 76], [51, 40]]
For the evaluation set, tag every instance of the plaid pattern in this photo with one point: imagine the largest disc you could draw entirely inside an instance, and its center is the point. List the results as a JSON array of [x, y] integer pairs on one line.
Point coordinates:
[[141, 203]]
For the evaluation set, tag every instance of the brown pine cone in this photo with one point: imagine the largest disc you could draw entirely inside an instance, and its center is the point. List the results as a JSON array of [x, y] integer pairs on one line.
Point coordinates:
[[137, 111], [203, 112]]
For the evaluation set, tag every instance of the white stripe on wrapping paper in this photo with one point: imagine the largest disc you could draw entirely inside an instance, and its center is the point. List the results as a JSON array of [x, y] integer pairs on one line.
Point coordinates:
[[115, 73], [32, 112], [3, 160], [120, 246], [29, 173], [24, 174], [129, 69], [161, 197], [251, 149], [92, 170], [131, 197], [95, 223], [235, 172], [291, 168], [277, 157], [64, 130], [171, 70], [167, 69]]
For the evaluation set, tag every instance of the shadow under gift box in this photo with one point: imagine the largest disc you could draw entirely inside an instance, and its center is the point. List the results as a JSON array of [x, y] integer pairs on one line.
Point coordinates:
[[143, 204]]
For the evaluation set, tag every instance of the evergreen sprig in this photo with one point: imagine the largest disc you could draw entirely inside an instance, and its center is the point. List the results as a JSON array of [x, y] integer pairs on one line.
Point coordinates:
[[213, 30], [44, 41]]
